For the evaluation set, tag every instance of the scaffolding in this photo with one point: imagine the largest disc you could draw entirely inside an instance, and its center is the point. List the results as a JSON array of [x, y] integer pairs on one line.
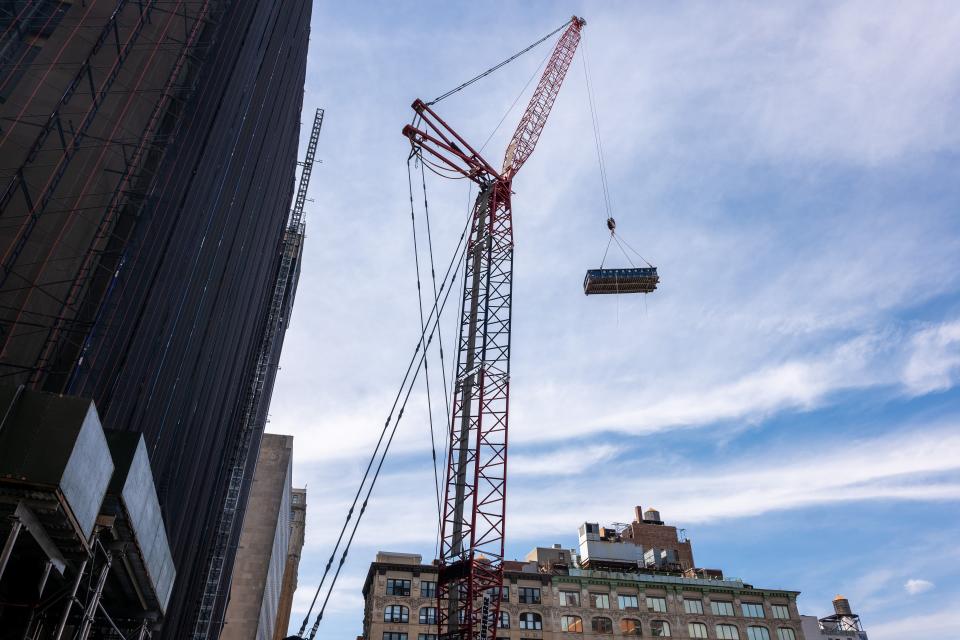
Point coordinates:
[[121, 124], [251, 428]]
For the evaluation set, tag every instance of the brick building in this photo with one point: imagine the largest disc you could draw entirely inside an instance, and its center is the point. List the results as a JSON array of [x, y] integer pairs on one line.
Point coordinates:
[[552, 595]]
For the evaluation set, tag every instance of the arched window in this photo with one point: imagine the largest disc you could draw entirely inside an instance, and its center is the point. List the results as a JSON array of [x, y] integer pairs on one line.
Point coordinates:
[[660, 629], [727, 632], [531, 621], [571, 624], [504, 620], [428, 615], [697, 630], [758, 633], [396, 613], [602, 625], [630, 627], [786, 633]]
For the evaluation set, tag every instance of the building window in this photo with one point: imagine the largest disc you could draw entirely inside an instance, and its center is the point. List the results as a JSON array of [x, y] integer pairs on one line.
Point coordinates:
[[398, 587], [599, 600], [628, 602], [602, 625], [393, 635], [531, 621], [727, 632], [428, 615], [752, 609], [780, 611], [504, 620], [693, 606], [660, 629], [630, 627], [721, 608], [529, 595], [758, 633], [428, 589], [569, 598], [657, 604], [426, 636], [571, 624], [784, 633], [697, 630], [396, 613]]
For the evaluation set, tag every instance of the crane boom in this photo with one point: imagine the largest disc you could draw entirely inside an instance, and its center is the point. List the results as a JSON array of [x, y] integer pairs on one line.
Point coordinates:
[[538, 110], [472, 523]]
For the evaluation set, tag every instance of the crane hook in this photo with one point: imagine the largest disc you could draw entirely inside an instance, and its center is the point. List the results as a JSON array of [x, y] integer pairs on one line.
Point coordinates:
[[611, 224]]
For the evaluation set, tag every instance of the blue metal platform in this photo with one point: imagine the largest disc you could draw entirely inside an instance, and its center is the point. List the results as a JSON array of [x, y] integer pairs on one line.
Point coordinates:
[[602, 281]]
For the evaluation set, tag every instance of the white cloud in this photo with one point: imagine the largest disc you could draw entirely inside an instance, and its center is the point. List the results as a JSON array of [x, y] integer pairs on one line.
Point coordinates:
[[913, 586], [939, 624], [564, 462], [934, 364]]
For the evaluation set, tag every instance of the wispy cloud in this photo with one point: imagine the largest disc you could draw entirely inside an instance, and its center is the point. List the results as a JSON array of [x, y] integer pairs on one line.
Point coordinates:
[[934, 364], [915, 586]]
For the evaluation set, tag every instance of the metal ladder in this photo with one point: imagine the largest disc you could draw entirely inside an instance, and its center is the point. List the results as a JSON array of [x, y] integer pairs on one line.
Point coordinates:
[[292, 246]]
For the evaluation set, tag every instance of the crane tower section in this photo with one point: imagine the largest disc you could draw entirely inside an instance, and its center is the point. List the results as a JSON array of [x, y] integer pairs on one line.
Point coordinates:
[[472, 523]]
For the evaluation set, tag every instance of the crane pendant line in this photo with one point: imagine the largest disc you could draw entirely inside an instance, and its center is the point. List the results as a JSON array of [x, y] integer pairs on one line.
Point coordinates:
[[474, 507]]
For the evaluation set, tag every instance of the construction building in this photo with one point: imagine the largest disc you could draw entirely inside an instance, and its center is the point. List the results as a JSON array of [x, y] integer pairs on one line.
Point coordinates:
[[148, 254], [261, 560], [553, 594], [298, 523], [842, 624]]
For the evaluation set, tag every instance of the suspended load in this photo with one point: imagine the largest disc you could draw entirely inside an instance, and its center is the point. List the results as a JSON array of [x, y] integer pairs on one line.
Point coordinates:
[[632, 280]]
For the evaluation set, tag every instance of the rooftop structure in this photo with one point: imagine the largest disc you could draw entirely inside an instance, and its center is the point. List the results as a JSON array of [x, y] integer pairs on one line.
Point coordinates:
[[842, 624], [645, 543]]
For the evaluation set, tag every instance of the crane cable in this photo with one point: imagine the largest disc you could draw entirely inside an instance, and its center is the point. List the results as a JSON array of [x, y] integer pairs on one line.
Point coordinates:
[[604, 182], [495, 67], [406, 383], [423, 325], [596, 129]]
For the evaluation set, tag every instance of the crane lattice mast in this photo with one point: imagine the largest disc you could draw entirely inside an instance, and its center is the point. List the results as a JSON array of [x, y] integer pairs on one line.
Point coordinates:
[[472, 526]]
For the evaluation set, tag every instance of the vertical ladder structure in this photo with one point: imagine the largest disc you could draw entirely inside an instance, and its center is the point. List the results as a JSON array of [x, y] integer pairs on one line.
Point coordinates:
[[257, 402]]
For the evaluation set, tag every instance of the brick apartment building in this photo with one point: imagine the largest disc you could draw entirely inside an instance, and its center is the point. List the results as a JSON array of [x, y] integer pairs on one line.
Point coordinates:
[[630, 580]]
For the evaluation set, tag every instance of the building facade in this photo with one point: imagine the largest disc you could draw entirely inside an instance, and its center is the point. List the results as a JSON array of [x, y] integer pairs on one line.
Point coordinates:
[[298, 523], [551, 596], [264, 542], [150, 151]]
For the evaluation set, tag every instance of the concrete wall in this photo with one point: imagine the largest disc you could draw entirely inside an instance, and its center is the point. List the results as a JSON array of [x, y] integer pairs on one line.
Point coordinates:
[[264, 540]]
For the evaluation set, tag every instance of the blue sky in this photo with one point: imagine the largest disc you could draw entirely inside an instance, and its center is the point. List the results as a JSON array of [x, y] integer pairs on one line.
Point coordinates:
[[790, 393]]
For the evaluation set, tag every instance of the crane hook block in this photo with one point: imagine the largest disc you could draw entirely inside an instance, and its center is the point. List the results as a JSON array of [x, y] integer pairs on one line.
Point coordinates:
[[611, 224]]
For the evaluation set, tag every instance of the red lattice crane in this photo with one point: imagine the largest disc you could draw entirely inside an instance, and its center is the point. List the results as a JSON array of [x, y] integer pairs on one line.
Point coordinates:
[[472, 528]]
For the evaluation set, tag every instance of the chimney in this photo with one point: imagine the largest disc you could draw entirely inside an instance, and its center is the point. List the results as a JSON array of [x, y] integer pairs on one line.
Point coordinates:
[[638, 514]]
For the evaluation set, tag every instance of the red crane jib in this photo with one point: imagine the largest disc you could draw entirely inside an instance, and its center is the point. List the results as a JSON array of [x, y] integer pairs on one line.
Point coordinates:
[[472, 526]]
